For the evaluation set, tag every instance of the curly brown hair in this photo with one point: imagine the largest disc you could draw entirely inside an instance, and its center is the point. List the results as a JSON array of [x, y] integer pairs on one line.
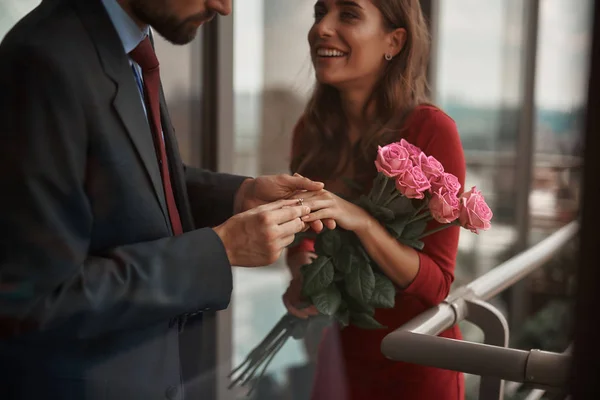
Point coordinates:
[[324, 150]]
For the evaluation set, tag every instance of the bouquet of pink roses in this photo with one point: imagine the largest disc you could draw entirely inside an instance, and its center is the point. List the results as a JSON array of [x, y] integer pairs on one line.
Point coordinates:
[[343, 282]]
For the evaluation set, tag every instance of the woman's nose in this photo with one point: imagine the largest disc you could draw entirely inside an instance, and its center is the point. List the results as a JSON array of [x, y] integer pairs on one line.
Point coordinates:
[[325, 28]]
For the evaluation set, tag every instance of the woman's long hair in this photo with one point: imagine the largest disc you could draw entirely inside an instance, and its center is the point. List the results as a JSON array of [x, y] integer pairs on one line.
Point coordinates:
[[324, 150]]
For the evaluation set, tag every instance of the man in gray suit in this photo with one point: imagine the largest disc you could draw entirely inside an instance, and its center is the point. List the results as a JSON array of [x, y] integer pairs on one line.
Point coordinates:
[[110, 247]]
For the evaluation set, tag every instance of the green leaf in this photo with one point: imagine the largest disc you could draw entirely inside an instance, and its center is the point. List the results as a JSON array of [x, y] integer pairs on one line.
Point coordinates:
[[365, 321], [398, 225], [415, 244], [343, 317], [352, 184], [327, 301], [329, 243], [366, 203], [414, 229], [345, 260], [384, 295], [401, 206], [317, 276], [360, 282], [363, 254], [383, 214]]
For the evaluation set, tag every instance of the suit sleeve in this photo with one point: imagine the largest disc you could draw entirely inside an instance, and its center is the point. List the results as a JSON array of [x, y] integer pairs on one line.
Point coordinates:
[[437, 260], [48, 280], [211, 195]]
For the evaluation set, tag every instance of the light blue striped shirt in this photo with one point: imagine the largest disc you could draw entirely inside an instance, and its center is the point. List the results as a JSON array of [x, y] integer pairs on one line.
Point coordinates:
[[131, 35]]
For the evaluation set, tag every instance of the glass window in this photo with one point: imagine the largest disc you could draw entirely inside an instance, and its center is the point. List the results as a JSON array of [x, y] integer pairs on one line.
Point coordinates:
[[180, 74], [563, 57], [560, 99], [11, 11], [272, 78], [478, 76], [479, 81]]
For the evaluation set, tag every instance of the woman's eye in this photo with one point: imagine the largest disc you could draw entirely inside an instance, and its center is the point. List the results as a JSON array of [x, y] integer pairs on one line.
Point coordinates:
[[319, 14], [348, 15]]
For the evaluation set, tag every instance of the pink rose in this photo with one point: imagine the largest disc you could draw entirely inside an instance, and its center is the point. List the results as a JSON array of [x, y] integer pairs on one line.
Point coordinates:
[[447, 182], [475, 214], [392, 160], [413, 150], [444, 206], [431, 167], [413, 183]]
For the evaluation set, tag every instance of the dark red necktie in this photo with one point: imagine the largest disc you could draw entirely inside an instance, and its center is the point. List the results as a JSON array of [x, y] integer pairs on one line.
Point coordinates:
[[145, 57]]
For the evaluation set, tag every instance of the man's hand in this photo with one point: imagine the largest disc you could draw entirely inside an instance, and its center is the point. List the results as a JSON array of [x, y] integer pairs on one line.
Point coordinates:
[[267, 189], [258, 236]]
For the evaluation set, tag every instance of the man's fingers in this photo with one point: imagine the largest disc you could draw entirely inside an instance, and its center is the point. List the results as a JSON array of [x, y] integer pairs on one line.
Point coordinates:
[[286, 241], [297, 182], [309, 195], [288, 213], [290, 228]]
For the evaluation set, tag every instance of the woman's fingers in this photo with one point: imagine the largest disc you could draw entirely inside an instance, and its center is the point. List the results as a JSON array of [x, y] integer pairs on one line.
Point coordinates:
[[330, 223], [316, 226], [325, 213], [300, 313], [319, 204]]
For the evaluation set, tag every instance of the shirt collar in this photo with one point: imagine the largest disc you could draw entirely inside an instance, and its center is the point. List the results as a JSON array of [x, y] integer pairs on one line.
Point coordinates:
[[130, 33]]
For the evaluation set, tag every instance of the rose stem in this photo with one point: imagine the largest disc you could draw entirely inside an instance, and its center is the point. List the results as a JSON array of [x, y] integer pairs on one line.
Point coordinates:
[[425, 215], [393, 197], [418, 210], [438, 229], [271, 357], [271, 351], [273, 333], [382, 190]]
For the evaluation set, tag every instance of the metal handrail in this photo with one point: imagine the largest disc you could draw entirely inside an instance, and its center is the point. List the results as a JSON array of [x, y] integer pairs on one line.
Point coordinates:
[[417, 341]]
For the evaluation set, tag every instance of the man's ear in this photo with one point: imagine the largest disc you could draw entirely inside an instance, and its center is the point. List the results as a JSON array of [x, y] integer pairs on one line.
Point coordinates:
[[397, 39]]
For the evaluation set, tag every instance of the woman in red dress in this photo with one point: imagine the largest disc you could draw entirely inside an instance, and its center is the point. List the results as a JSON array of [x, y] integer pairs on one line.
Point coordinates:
[[370, 59]]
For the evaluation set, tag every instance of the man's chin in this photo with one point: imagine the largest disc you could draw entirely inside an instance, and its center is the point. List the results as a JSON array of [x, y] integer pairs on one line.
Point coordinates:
[[180, 36]]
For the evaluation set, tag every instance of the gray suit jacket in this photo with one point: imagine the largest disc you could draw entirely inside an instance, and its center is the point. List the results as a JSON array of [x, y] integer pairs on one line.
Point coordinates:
[[93, 288]]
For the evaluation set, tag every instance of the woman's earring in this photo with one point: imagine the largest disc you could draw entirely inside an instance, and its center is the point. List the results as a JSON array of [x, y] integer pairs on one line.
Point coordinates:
[[388, 56]]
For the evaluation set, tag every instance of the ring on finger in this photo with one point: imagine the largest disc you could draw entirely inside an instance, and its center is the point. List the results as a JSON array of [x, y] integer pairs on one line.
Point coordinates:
[[300, 202]]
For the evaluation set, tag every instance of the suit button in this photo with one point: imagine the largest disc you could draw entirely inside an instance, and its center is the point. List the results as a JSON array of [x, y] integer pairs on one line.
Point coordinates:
[[171, 393]]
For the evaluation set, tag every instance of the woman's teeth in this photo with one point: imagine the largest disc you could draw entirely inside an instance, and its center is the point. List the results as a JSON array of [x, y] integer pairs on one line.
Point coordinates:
[[330, 53]]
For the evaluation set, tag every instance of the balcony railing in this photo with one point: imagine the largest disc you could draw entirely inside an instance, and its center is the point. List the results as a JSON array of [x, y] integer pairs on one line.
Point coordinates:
[[417, 341]]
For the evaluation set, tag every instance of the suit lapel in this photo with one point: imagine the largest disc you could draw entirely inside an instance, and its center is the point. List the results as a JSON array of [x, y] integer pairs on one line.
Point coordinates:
[[126, 102]]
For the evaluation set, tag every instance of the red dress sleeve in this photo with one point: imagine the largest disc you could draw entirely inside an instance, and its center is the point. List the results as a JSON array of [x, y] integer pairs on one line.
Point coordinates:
[[305, 244], [435, 133]]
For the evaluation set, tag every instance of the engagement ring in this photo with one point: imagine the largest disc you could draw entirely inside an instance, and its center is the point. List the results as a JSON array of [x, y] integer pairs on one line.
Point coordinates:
[[300, 202]]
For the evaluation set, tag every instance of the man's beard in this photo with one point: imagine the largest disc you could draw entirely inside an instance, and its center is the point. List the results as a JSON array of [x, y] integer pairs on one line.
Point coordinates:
[[155, 14]]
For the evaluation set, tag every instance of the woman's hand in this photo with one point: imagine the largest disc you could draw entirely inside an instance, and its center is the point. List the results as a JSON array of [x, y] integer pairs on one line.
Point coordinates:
[[295, 304], [292, 298], [326, 205]]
